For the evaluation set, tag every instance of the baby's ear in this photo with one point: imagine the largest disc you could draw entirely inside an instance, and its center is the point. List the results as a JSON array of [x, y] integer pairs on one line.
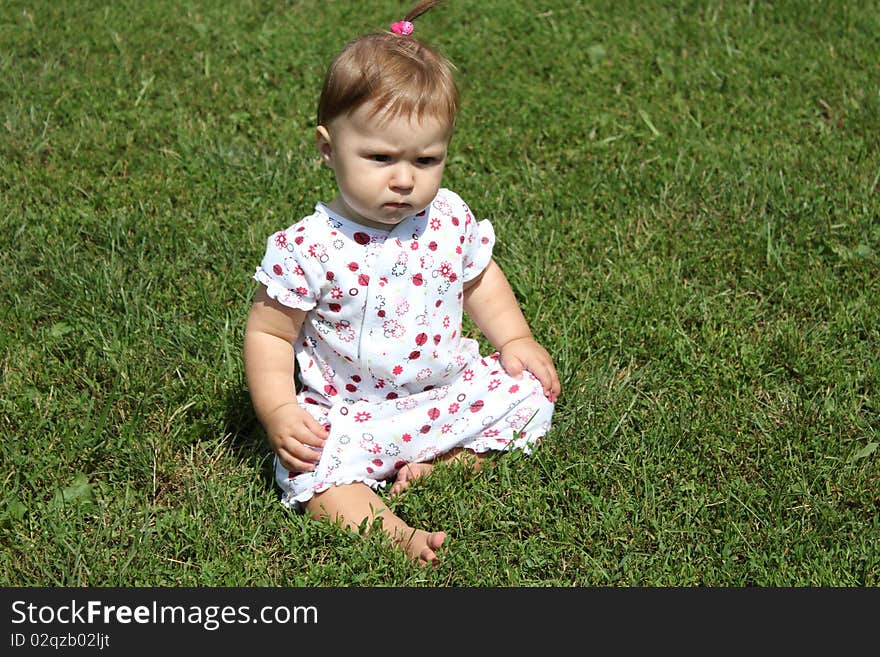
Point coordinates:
[[325, 145]]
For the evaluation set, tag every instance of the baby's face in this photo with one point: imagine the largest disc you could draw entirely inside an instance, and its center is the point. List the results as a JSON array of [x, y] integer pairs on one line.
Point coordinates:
[[386, 169]]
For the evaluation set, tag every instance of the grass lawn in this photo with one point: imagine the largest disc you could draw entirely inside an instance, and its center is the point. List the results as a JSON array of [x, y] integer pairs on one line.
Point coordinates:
[[687, 200]]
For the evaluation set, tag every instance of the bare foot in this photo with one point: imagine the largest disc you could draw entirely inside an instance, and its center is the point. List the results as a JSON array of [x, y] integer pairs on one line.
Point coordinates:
[[419, 544], [352, 504], [413, 471], [409, 473]]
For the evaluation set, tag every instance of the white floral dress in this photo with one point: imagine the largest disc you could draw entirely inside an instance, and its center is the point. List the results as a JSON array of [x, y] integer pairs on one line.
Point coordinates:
[[382, 361]]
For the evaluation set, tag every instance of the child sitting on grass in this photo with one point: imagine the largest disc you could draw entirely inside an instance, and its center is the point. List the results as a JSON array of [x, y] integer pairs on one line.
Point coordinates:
[[367, 294]]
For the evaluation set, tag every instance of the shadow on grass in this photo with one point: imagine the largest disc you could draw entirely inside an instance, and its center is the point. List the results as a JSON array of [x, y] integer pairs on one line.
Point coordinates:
[[247, 440]]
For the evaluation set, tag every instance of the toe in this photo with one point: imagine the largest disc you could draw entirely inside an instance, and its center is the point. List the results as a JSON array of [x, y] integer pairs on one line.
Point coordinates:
[[427, 556]]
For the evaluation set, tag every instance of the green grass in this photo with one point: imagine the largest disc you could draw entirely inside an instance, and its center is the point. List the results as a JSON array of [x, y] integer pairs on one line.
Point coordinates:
[[687, 199]]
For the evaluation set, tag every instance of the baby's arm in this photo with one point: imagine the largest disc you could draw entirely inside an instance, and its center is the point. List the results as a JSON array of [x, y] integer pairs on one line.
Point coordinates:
[[269, 335], [490, 302]]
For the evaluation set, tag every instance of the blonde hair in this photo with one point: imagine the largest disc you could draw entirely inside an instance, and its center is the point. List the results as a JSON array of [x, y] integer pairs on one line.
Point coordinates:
[[399, 75]]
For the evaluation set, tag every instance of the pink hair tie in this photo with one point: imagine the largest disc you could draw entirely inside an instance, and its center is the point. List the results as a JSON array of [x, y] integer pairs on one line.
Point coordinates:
[[404, 28]]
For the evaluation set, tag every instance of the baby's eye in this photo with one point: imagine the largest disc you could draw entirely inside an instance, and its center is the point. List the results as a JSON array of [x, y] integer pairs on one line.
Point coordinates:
[[379, 157], [427, 161]]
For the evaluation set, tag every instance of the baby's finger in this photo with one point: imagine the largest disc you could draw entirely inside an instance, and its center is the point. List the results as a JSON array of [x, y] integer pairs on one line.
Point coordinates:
[[294, 464], [513, 366], [316, 427], [311, 433], [296, 449], [306, 453], [546, 374]]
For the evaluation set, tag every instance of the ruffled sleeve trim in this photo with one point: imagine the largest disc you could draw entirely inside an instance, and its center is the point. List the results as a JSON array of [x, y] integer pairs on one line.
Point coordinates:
[[281, 294]]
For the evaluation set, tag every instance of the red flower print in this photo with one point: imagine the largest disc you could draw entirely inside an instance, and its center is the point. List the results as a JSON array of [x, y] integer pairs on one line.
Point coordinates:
[[398, 370], [446, 428], [406, 437], [336, 293], [453, 408], [494, 383], [468, 375], [435, 223], [391, 328], [414, 245], [344, 332], [491, 433], [362, 416], [514, 388], [281, 239]]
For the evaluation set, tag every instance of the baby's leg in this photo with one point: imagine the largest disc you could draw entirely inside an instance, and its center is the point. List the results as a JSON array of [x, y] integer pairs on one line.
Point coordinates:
[[353, 503], [413, 471]]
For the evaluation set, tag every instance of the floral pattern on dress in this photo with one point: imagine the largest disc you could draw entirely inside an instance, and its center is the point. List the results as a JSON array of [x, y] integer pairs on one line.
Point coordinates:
[[381, 356]]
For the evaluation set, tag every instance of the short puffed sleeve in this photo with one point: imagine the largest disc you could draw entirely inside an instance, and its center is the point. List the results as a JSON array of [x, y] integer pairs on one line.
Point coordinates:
[[479, 240], [288, 275]]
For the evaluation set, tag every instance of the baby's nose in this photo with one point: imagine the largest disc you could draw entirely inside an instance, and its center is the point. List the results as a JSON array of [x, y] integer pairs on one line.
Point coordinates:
[[403, 176]]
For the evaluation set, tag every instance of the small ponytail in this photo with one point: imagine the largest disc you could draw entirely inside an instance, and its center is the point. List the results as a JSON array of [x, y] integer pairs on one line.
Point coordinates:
[[421, 8]]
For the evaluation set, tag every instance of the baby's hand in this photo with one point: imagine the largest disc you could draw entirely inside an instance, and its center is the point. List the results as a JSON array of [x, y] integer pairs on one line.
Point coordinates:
[[292, 434], [525, 353]]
